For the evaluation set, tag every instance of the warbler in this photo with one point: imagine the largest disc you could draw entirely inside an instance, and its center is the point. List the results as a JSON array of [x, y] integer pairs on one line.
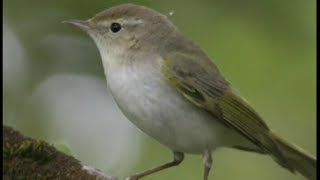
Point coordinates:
[[169, 88]]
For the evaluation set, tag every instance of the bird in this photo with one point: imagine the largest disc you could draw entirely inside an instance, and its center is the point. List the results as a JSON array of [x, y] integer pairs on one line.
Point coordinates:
[[169, 88]]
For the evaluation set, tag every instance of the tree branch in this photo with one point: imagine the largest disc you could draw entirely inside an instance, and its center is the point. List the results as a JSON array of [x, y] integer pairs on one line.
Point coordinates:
[[27, 158]]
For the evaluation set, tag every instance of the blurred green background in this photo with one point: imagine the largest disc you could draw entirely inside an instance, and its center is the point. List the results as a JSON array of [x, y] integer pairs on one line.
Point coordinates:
[[266, 49]]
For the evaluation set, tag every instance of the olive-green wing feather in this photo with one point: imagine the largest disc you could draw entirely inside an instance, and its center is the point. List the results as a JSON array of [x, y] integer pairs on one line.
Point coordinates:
[[200, 82]]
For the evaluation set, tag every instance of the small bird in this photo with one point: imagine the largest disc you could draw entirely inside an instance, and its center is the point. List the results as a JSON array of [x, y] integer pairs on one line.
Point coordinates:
[[170, 89]]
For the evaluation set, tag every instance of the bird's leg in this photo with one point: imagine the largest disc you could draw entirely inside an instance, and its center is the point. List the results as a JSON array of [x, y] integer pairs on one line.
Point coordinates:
[[207, 162], [177, 159]]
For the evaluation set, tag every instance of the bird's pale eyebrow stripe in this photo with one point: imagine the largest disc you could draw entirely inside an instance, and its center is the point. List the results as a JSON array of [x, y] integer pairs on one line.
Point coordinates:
[[122, 21]]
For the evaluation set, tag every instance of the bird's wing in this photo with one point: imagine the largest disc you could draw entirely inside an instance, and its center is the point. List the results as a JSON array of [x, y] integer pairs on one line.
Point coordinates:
[[200, 82]]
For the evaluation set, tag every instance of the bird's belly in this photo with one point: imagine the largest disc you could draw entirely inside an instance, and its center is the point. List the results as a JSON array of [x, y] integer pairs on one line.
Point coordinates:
[[162, 113]]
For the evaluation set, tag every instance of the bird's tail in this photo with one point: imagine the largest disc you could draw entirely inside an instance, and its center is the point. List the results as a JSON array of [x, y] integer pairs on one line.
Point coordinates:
[[295, 158]]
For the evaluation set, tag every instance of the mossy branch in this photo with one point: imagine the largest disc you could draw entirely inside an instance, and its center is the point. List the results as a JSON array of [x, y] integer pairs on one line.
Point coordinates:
[[27, 158]]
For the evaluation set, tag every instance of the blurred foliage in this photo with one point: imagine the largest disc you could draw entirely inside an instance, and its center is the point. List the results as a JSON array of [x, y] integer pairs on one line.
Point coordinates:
[[266, 49]]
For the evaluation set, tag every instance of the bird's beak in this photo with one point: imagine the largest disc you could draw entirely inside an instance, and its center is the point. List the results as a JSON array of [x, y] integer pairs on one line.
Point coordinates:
[[83, 25]]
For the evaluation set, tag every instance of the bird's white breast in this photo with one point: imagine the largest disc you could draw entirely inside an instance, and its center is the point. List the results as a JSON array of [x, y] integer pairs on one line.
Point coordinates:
[[159, 110]]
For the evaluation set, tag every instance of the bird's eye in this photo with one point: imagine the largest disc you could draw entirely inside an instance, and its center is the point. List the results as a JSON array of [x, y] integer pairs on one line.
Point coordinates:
[[115, 27]]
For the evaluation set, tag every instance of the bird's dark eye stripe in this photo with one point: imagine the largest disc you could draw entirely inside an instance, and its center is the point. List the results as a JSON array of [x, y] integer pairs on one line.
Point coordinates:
[[115, 27]]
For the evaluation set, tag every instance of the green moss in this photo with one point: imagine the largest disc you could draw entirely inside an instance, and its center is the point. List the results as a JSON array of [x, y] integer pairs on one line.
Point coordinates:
[[35, 150], [63, 147]]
